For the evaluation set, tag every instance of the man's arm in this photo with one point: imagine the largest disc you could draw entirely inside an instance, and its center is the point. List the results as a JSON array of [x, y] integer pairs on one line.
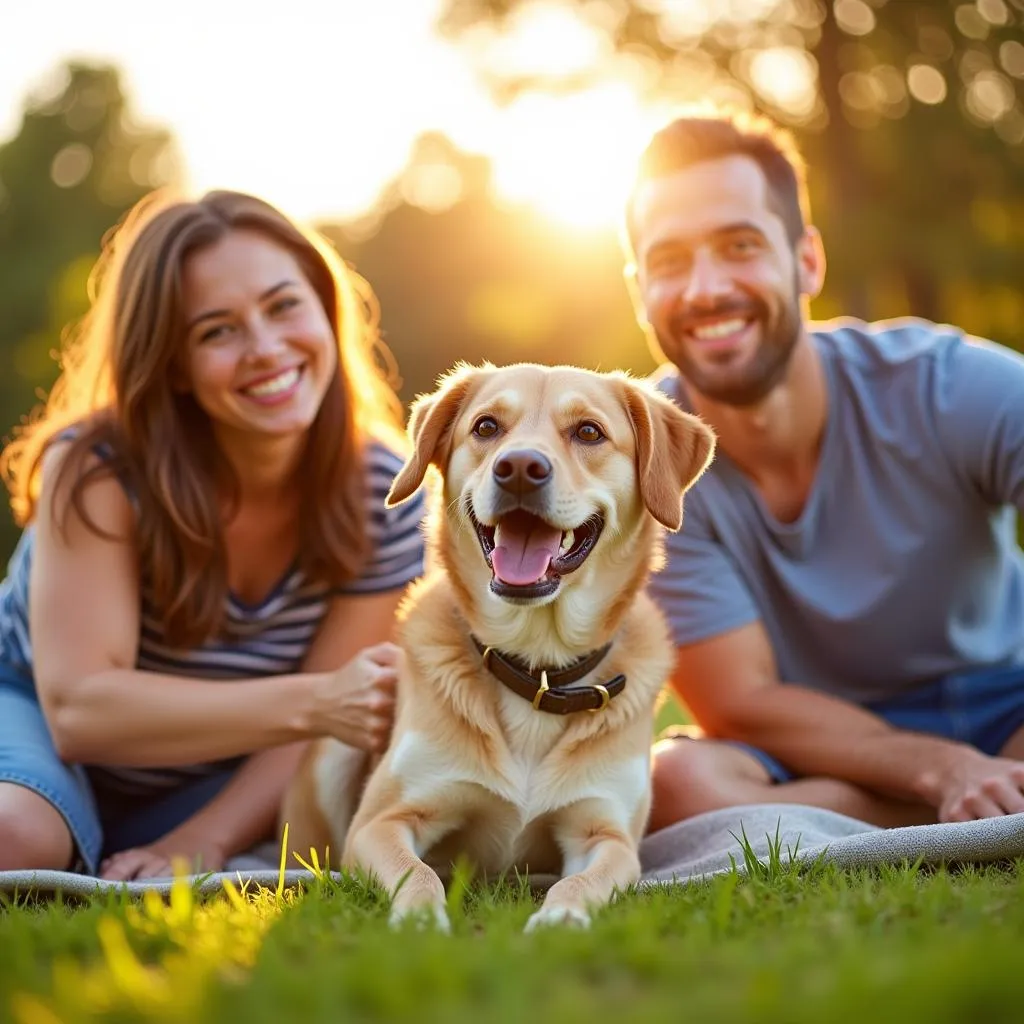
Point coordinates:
[[730, 684]]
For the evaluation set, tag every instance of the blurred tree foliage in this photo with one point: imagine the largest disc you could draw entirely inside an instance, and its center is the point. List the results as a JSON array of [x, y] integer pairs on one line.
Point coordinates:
[[78, 162], [476, 280], [914, 130], [913, 126]]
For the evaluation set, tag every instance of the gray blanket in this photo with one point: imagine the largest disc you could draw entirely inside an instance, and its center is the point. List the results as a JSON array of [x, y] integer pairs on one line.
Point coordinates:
[[693, 849]]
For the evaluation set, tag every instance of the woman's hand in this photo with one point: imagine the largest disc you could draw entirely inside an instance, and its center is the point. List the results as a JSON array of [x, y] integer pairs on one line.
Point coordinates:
[[157, 860], [356, 704]]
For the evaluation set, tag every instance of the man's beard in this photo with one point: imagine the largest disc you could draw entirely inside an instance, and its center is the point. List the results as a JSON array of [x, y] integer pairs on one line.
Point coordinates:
[[765, 368]]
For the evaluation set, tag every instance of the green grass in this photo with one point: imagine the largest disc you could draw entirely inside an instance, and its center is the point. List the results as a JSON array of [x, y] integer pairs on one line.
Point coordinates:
[[810, 945], [779, 944], [669, 713]]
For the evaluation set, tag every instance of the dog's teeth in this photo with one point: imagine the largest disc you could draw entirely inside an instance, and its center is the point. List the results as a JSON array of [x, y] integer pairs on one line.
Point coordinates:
[[567, 539]]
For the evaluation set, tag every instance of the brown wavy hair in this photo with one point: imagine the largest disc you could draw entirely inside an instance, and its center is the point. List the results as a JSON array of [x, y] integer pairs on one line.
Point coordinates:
[[115, 393]]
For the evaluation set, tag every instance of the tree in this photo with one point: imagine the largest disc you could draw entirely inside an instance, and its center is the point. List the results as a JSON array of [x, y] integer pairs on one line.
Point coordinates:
[[460, 277], [76, 164], [911, 114]]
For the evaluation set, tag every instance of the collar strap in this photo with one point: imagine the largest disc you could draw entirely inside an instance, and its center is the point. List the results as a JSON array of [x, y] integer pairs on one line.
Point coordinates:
[[545, 690]]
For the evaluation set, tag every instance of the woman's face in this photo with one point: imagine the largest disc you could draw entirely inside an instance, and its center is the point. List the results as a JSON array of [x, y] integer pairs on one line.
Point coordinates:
[[260, 351]]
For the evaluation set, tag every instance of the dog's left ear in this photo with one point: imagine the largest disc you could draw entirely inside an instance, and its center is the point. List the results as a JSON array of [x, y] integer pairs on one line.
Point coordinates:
[[673, 448], [430, 431]]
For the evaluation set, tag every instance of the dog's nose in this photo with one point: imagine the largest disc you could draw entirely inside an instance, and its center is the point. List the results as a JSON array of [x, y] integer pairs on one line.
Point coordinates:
[[522, 471]]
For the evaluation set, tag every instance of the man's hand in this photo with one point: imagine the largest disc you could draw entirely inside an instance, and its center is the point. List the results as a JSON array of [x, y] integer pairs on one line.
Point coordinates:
[[157, 859], [977, 786]]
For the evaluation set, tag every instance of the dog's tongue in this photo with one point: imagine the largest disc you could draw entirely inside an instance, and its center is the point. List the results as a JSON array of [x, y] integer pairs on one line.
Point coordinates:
[[524, 547]]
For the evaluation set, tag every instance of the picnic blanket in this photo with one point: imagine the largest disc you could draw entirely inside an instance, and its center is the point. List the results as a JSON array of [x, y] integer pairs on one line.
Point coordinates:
[[701, 846]]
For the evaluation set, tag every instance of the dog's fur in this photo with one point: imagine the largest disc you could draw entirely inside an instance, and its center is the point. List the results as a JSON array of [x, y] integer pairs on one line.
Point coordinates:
[[472, 769]]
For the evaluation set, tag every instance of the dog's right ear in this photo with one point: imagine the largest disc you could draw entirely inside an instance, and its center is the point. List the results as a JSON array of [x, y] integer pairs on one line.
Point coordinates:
[[429, 430]]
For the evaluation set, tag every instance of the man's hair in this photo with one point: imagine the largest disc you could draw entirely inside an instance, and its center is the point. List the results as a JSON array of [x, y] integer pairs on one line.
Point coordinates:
[[687, 141]]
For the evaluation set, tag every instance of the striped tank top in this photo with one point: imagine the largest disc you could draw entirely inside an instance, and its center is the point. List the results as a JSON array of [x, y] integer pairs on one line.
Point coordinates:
[[269, 638]]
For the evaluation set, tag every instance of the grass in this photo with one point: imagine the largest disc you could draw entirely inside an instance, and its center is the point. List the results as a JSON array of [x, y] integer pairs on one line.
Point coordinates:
[[768, 942], [778, 943]]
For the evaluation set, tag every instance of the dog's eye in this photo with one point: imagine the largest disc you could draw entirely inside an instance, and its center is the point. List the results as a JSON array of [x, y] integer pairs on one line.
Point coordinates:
[[589, 433], [486, 426]]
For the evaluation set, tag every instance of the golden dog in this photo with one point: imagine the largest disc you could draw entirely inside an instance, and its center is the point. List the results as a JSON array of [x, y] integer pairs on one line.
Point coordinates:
[[532, 658]]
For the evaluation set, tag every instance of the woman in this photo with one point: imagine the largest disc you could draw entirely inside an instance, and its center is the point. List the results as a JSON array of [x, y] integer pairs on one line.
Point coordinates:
[[207, 575]]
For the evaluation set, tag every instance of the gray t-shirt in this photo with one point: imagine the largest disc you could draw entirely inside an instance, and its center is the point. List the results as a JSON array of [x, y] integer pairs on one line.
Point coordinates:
[[904, 564]]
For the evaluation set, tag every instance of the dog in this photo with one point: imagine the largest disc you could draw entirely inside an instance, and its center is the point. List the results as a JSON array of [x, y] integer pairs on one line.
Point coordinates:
[[533, 659]]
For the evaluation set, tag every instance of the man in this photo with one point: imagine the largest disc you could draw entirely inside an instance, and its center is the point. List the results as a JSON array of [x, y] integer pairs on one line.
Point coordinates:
[[847, 593]]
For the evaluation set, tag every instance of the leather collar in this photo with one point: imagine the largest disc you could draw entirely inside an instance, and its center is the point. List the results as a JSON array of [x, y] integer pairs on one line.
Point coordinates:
[[546, 689]]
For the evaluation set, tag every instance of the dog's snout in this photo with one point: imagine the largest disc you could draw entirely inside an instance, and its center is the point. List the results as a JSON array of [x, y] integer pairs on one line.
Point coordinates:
[[522, 471]]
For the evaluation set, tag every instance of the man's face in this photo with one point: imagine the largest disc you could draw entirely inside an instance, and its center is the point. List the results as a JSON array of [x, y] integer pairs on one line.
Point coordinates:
[[719, 278]]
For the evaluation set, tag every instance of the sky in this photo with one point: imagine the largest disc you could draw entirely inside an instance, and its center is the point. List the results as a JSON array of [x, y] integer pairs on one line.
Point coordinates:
[[314, 105]]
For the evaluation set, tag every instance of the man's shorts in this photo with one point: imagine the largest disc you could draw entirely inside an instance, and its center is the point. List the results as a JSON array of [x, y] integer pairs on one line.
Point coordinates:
[[983, 708], [100, 822]]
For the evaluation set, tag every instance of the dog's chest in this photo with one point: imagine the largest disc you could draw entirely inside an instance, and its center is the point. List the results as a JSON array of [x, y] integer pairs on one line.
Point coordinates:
[[524, 773], [529, 734], [505, 810]]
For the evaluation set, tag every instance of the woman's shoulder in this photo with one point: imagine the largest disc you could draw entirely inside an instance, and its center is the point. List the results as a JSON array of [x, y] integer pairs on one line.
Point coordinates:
[[82, 468], [94, 438], [381, 462], [70, 453]]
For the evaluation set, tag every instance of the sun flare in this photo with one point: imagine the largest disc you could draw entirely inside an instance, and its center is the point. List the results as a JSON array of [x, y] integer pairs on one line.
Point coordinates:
[[572, 157], [540, 39], [569, 153]]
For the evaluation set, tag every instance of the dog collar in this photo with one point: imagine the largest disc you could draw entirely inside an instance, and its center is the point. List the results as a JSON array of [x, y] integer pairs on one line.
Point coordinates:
[[546, 690]]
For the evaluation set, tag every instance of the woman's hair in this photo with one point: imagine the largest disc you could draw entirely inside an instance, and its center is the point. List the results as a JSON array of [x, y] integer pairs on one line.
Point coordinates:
[[116, 391]]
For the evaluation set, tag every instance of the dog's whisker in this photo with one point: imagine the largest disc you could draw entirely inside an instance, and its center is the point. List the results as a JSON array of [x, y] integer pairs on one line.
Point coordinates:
[[464, 519]]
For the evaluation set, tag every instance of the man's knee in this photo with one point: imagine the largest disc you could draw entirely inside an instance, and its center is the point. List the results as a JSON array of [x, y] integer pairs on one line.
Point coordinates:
[[33, 835], [691, 776]]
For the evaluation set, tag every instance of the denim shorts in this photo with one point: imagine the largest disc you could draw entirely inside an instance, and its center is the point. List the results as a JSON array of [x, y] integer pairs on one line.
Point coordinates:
[[101, 821], [983, 708]]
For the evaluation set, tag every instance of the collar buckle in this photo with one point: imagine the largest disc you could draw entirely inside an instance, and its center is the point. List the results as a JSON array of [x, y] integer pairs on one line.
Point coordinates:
[[541, 690]]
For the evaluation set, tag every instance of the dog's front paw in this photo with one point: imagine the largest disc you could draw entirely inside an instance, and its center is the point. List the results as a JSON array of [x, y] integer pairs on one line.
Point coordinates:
[[559, 914], [423, 918]]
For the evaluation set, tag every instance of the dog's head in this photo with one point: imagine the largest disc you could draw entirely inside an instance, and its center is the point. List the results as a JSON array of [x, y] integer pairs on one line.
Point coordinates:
[[550, 471]]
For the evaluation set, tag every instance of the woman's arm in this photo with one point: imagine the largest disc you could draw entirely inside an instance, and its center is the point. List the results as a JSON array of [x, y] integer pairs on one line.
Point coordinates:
[[242, 814], [246, 809], [84, 622]]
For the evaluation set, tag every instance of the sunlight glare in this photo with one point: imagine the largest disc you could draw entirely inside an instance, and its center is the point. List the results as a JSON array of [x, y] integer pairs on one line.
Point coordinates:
[[683, 19], [787, 77], [572, 157], [542, 40]]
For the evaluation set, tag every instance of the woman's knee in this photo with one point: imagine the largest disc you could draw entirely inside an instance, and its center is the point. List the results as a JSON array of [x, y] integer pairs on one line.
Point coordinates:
[[33, 835]]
